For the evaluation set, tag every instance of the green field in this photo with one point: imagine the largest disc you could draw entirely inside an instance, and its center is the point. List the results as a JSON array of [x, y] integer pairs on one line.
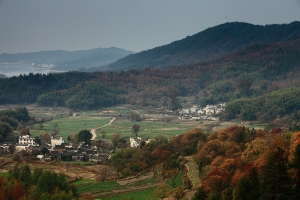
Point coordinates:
[[96, 188], [193, 172], [146, 194], [73, 125], [93, 186], [70, 125], [148, 129], [123, 191]]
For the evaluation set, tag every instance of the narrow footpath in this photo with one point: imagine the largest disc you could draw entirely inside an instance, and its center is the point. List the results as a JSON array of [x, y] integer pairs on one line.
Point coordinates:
[[93, 131]]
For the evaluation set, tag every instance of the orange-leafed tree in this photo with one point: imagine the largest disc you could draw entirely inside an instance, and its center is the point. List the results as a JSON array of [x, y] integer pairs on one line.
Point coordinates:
[[278, 141], [295, 140], [187, 143], [254, 150], [216, 181], [162, 157]]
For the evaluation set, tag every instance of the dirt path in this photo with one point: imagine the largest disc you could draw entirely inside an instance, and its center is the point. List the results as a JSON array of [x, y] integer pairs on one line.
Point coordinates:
[[93, 131]]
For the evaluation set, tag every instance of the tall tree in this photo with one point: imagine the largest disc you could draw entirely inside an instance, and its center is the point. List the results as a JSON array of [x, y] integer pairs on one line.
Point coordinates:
[[296, 166], [248, 186], [135, 129], [85, 136], [275, 181]]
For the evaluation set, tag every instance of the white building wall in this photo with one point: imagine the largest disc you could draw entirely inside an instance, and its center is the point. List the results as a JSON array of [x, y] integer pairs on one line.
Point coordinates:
[[26, 139], [56, 141], [135, 142]]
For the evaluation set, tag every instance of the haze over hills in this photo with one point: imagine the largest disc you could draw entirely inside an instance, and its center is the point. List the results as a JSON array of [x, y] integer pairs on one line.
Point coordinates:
[[208, 44], [63, 60]]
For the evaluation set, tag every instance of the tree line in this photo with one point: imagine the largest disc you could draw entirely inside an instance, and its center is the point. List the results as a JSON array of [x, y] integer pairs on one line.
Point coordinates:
[[266, 107], [10, 120]]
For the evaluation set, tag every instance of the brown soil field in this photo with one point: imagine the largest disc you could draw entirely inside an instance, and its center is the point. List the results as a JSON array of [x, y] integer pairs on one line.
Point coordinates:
[[73, 171]]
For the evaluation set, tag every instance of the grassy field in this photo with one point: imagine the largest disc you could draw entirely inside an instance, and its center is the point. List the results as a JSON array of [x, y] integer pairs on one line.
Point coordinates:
[[96, 118], [91, 186], [70, 125], [88, 120], [96, 188], [2, 174], [148, 129], [87, 186], [146, 194], [193, 172]]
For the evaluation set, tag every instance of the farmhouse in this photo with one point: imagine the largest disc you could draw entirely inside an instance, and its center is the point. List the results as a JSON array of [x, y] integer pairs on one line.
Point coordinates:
[[20, 147], [56, 141], [135, 142], [26, 139]]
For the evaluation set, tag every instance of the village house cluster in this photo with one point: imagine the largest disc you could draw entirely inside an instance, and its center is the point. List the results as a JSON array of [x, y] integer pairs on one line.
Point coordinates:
[[57, 150], [196, 112]]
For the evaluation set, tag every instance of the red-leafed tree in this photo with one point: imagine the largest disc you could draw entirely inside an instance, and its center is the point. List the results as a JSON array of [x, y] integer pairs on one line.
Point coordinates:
[[18, 191]]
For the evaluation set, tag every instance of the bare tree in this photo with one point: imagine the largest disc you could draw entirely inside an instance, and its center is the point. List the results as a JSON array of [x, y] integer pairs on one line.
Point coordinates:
[[103, 173]]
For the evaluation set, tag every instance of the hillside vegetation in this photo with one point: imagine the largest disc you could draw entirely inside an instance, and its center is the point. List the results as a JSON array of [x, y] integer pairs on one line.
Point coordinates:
[[210, 43]]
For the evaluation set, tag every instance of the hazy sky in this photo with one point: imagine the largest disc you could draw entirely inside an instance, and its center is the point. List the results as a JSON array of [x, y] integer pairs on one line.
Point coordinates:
[[136, 25]]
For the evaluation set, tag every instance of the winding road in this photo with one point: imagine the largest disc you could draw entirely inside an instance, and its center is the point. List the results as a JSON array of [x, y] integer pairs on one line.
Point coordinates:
[[93, 131]]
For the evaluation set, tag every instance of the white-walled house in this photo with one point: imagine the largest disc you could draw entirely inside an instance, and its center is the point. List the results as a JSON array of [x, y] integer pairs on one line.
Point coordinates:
[[56, 141], [20, 147], [135, 142], [26, 139]]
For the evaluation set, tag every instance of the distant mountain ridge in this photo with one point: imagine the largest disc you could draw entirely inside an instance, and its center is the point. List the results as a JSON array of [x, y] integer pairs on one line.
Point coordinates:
[[208, 44], [69, 60]]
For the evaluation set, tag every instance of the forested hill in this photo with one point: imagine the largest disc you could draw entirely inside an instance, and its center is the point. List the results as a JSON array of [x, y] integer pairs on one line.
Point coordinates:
[[210, 43], [254, 71]]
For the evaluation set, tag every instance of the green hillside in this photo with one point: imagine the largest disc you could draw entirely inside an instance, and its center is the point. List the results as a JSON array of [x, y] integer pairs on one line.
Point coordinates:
[[210, 43]]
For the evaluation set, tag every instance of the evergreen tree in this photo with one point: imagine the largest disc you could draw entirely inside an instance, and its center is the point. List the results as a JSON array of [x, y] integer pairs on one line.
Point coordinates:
[[201, 194], [275, 182], [228, 193], [296, 166], [215, 196], [85, 136], [248, 187]]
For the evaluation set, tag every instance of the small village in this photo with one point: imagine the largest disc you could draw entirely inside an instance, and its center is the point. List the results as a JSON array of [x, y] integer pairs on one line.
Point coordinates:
[[196, 112], [57, 150]]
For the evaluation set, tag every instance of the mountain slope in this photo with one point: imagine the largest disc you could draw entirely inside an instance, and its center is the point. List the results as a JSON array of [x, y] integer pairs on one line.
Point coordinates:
[[210, 43]]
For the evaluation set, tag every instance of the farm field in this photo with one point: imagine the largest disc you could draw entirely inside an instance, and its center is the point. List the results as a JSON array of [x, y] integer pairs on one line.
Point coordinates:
[[152, 126], [70, 125], [148, 129], [115, 190]]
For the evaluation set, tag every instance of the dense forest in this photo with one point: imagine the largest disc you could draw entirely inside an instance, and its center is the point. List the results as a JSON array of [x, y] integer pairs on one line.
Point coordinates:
[[234, 163], [10, 120], [22, 183]]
